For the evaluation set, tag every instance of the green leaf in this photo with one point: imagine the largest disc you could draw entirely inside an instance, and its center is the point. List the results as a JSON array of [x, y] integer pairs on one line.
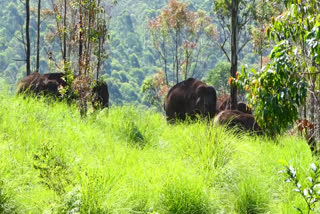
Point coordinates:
[[314, 167]]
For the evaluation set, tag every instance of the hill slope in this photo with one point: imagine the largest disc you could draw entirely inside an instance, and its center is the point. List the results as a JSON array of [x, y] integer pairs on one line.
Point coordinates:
[[126, 160]]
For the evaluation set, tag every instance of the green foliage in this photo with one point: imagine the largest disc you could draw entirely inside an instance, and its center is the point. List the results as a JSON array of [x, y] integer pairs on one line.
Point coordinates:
[[72, 202], [154, 90], [277, 91], [281, 87], [131, 42], [179, 36], [218, 77], [185, 196], [6, 203], [53, 171], [129, 92], [251, 197], [310, 191], [134, 61]]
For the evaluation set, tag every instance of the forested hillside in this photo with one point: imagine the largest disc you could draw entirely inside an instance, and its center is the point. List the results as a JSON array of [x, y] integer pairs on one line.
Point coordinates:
[[265, 50], [167, 143], [131, 55]]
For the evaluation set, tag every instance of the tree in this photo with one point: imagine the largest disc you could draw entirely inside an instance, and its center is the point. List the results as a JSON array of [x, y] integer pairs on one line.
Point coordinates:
[[218, 75], [103, 33], [179, 35], [81, 29], [276, 91], [38, 37], [281, 87], [154, 90], [234, 48], [82, 34], [297, 26], [265, 10], [234, 16], [27, 37]]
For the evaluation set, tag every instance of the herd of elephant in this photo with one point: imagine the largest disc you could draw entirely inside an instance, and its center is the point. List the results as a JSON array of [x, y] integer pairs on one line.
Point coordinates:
[[190, 98]]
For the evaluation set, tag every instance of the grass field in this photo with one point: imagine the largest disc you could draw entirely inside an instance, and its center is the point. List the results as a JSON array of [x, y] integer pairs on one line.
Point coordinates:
[[129, 160]]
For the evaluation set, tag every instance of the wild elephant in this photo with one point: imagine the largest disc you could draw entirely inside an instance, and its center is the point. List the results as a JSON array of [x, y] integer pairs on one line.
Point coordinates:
[[28, 83], [190, 97], [238, 119], [46, 84], [241, 106], [51, 83], [100, 95]]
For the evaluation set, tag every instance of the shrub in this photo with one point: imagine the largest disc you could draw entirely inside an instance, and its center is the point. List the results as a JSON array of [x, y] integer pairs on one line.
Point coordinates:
[[251, 198], [53, 171], [6, 204], [309, 192], [185, 196]]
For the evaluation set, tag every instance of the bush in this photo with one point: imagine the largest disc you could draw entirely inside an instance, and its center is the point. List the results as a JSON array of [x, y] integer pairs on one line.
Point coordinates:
[[250, 197], [6, 204], [53, 171], [218, 77], [185, 196]]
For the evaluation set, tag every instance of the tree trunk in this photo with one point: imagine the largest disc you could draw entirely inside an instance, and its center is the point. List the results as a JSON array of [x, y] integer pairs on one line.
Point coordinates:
[[38, 37], [165, 65], [80, 38], [28, 37], [312, 108], [176, 58], [65, 34], [305, 111], [166, 71], [234, 49], [313, 94], [99, 58], [88, 41]]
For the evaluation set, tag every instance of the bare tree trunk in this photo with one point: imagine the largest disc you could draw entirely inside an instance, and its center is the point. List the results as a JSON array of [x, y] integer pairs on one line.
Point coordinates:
[[166, 71], [28, 37], [99, 58], [165, 66], [100, 45], [80, 38], [65, 34], [305, 111], [176, 58], [38, 38], [234, 57], [88, 47], [312, 109], [313, 94]]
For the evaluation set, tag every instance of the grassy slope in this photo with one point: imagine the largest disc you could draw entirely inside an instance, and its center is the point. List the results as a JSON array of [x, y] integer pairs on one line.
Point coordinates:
[[126, 160]]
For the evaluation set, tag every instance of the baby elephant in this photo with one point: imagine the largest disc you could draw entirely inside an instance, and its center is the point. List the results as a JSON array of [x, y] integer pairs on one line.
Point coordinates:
[[238, 119]]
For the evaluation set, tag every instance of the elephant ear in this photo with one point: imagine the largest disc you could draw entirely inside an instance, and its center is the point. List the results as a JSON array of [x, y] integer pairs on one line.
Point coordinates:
[[202, 90], [212, 91]]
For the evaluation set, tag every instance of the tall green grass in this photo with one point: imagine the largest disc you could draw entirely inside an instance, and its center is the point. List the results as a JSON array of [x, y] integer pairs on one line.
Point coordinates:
[[129, 160]]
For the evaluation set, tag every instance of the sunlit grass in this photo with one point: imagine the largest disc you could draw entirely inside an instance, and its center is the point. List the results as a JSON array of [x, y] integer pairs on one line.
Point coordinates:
[[129, 160]]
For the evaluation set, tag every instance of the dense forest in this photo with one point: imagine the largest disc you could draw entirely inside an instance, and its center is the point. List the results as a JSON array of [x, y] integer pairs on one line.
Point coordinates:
[[132, 58], [159, 106]]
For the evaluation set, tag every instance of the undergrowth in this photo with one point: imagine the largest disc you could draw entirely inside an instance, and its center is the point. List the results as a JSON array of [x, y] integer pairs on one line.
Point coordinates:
[[129, 160]]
